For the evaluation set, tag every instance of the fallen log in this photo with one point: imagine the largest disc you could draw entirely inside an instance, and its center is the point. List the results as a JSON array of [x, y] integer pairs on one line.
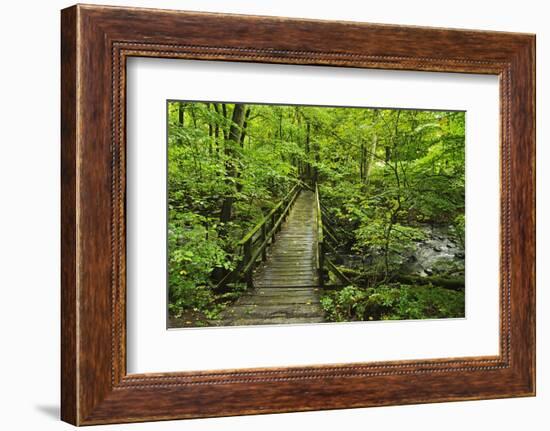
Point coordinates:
[[447, 283]]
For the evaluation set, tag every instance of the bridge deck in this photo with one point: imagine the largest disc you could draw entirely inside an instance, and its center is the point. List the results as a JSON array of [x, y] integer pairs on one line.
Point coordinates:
[[286, 284]]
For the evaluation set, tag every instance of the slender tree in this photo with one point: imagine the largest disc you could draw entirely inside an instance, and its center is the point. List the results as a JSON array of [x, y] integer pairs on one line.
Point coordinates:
[[234, 139]]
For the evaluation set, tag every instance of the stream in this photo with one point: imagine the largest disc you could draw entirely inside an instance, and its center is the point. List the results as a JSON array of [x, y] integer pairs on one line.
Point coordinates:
[[437, 255]]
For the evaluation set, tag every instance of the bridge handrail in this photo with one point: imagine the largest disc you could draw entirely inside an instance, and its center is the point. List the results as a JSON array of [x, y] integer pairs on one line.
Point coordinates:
[[263, 232], [268, 216], [322, 260]]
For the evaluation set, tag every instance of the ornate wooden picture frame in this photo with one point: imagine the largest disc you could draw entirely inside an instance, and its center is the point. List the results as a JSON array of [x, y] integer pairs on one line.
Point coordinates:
[[96, 41]]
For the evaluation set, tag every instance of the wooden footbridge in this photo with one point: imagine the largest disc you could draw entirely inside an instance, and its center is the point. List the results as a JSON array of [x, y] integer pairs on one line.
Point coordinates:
[[284, 264]]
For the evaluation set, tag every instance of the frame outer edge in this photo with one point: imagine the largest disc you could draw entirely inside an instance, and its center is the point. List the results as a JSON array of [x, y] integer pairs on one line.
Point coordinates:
[[88, 397], [69, 212], [532, 82], [533, 56], [528, 61], [523, 216]]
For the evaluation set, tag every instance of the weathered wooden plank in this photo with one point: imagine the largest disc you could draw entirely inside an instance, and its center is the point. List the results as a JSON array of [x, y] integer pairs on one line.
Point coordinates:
[[285, 290], [298, 270], [278, 321], [286, 283], [268, 311], [288, 298]]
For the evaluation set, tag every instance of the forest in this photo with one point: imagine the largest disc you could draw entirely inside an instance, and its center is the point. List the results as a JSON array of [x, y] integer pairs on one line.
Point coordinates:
[[379, 192]]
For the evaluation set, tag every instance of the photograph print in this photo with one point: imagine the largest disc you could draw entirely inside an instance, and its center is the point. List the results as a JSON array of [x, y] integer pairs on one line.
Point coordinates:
[[293, 214]]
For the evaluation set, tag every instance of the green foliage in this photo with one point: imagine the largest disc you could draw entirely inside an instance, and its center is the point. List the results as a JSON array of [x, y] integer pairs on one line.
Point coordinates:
[[405, 169], [194, 252], [379, 237], [393, 302], [459, 228], [383, 173]]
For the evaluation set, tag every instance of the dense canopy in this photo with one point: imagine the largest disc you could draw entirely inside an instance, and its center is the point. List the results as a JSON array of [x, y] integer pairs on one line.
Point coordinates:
[[390, 180]]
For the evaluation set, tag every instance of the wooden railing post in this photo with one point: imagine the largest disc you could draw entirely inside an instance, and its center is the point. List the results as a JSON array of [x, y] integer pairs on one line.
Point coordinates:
[[288, 204], [247, 247], [264, 243], [273, 218]]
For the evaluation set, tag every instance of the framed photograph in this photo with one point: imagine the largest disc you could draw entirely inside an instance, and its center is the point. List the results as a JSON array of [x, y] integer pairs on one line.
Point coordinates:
[[264, 215]]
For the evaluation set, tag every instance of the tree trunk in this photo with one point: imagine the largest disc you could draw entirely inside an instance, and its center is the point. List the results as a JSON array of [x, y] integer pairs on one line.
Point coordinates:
[[388, 154], [362, 161], [224, 112], [217, 131], [308, 165], [245, 124], [210, 131], [370, 158], [233, 140], [241, 140], [316, 151], [181, 118]]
